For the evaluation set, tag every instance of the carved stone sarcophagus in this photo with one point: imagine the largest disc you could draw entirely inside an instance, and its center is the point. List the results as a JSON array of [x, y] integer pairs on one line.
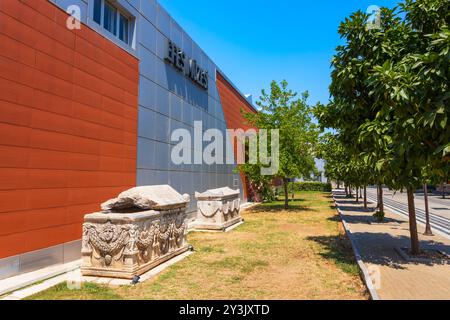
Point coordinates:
[[135, 232], [217, 209]]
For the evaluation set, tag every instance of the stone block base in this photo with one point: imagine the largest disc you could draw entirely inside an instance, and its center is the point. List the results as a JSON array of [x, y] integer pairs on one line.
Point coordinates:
[[204, 226], [129, 274]]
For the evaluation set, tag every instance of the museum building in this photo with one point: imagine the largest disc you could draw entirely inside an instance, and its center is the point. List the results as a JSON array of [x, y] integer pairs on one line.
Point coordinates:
[[87, 108]]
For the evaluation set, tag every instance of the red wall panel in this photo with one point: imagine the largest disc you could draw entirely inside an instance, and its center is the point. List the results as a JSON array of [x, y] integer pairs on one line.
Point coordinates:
[[68, 125], [232, 104]]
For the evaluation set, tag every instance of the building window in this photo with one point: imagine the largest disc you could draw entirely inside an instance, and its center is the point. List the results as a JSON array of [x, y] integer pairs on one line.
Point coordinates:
[[124, 26], [98, 11], [110, 16], [112, 19]]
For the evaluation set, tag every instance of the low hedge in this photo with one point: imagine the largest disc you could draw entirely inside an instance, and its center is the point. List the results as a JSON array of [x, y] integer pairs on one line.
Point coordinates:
[[307, 186], [312, 186]]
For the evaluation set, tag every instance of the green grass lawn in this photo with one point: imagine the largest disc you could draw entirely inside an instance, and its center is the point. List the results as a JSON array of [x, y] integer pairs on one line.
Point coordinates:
[[300, 253]]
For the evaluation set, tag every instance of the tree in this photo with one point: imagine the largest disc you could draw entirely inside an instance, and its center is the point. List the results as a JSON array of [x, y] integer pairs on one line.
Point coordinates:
[[390, 95], [342, 165], [281, 109], [352, 104], [330, 150], [412, 91]]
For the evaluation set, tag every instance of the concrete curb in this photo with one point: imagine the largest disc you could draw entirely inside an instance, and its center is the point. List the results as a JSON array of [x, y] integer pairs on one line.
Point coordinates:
[[18, 282], [364, 272]]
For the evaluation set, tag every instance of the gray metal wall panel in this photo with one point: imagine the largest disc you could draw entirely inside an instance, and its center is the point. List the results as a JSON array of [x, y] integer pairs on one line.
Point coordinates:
[[147, 35], [148, 8], [41, 258], [9, 267], [71, 251]]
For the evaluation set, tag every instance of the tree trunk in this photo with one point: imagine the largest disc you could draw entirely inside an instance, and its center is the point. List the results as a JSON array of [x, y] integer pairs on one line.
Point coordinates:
[[428, 231], [338, 184], [380, 198], [293, 191], [443, 190], [365, 197], [286, 193], [357, 195], [350, 191], [346, 190], [415, 246]]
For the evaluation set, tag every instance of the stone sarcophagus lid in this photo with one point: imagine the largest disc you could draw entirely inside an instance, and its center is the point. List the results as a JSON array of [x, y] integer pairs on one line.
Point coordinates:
[[217, 209], [140, 229]]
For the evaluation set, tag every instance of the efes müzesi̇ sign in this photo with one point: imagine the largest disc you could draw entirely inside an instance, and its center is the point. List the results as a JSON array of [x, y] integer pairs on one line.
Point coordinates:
[[177, 58]]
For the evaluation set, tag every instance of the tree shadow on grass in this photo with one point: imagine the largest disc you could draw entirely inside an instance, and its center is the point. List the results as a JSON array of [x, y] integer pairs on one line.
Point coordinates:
[[277, 207], [281, 199], [337, 249], [335, 218]]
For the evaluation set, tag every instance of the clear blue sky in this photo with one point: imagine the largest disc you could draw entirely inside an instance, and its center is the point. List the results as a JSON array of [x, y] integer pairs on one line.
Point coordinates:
[[257, 41]]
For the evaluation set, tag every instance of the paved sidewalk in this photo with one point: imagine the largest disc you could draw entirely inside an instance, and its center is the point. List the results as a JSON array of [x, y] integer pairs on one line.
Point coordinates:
[[394, 277]]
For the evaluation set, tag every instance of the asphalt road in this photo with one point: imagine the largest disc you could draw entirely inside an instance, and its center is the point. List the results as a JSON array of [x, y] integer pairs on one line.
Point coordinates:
[[397, 201]]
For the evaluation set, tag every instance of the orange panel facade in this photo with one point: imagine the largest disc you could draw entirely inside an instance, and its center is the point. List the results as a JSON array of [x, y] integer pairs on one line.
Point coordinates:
[[233, 103], [68, 125]]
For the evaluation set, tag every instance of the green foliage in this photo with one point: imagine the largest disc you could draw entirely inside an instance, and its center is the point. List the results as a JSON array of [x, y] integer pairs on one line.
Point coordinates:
[[268, 193], [411, 90], [342, 164], [390, 90], [281, 109], [295, 187], [379, 216]]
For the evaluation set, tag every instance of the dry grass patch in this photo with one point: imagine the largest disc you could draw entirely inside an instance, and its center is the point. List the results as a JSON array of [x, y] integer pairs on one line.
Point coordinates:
[[301, 253]]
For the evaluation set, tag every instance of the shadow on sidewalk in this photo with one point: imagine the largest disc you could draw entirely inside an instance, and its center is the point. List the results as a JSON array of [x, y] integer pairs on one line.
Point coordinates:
[[354, 209], [350, 201], [338, 254], [363, 219], [379, 248], [374, 248]]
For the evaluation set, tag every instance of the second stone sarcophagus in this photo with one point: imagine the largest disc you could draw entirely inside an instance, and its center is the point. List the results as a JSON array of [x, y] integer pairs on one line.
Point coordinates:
[[135, 232], [217, 209]]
